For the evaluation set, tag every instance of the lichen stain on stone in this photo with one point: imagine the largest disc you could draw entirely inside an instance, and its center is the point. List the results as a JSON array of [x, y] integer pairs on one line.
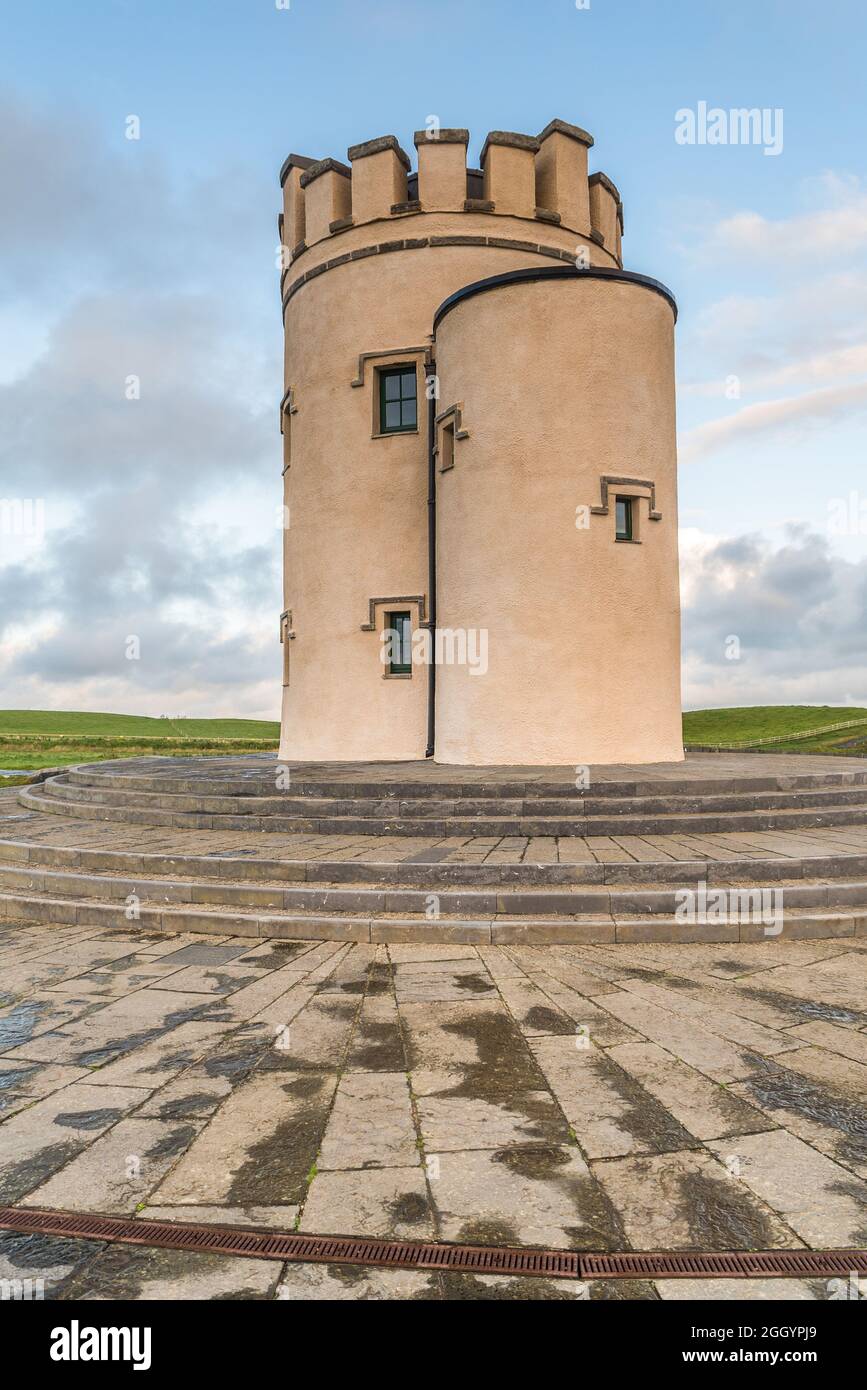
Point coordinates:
[[408, 1209], [22, 1177], [275, 1168], [87, 1119], [177, 1141], [504, 1067], [776, 1087], [545, 1020], [721, 1215]]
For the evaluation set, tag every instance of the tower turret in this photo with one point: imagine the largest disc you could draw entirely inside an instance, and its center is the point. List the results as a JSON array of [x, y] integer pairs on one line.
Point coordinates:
[[439, 442]]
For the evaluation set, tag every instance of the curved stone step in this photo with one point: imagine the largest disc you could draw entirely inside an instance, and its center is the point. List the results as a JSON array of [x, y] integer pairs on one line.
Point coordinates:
[[398, 899], [587, 804], [44, 798], [23, 906], [427, 874], [316, 783]]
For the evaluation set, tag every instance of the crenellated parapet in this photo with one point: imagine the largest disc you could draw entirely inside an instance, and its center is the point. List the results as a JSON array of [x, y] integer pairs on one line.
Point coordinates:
[[468, 374], [541, 180]]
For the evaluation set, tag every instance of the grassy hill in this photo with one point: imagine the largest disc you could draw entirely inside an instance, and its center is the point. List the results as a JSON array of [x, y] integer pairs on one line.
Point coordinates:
[[47, 738], [32, 739], [781, 723]]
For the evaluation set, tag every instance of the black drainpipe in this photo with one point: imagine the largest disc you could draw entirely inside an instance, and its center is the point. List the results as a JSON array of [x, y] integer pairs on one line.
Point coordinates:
[[430, 382]]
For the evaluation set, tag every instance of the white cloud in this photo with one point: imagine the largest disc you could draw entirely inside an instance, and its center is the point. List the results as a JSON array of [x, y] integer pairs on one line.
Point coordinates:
[[131, 546], [798, 610], [799, 413], [805, 238]]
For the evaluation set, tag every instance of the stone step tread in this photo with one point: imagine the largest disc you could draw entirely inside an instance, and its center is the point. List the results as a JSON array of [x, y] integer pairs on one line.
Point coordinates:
[[484, 788], [225, 865], [711, 822], [437, 807], [798, 887], [384, 927]]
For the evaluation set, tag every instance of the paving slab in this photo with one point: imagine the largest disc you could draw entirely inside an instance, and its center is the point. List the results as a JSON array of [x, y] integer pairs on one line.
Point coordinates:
[[388, 1202], [338, 1283], [129, 1272], [42, 1262], [43, 1137], [450, 1122], [259, 1147], [690, 1201], [371, 1123], [117, 1171], [818, 1199], [471, 1048], [704, 1107], [744, 1290], [610, 1111], [521, 1195]]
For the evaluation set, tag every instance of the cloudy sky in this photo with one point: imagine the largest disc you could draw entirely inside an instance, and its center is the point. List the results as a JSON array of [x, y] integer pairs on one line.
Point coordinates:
[[140, 327]]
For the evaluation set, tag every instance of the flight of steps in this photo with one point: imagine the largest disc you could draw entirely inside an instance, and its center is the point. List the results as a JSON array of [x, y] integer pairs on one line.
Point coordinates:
[[230, 895], [440, 808], [431, 895]]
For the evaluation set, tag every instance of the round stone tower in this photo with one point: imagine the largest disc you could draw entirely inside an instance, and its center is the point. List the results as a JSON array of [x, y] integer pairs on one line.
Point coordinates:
[[480, 544]]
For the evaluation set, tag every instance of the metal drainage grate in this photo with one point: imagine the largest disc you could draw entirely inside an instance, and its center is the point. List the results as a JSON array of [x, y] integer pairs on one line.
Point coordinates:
[[480, 1259], [280, 1245], [735, 1264]]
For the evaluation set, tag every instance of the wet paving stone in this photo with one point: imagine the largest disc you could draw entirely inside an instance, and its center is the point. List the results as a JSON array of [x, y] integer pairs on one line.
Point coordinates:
[[260, 1146], [521, 1195], [389, 1202], [42, 1262], [705, 1108], [118, 1171], [371, 1123], [42, 1138], [339, 1283], [449, 1122], [377, 1044], [594, 1097], [690, 1201], [141, 1274], [824, 1204], [611, 1113]]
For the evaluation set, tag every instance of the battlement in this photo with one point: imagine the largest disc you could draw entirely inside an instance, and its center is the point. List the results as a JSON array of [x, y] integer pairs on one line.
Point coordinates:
[[536, 178]]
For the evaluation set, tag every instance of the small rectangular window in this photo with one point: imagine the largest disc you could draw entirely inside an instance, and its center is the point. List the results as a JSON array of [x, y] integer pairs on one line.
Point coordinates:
[[623, 521], [398, 628], [447, 448], [398, 408]]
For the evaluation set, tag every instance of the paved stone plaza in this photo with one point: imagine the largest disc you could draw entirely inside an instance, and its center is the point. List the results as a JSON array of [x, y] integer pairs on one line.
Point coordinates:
[[596, 1097]]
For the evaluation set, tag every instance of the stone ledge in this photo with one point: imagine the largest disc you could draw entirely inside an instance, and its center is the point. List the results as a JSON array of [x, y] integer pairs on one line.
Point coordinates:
[[378, 146], [446, 135], [324, 166], [564, 128], [503, 930], [512, 139], [295, 161]]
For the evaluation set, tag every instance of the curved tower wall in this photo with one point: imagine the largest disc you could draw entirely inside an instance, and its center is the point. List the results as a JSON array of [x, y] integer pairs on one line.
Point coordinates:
[[565, 385], [370, 252]]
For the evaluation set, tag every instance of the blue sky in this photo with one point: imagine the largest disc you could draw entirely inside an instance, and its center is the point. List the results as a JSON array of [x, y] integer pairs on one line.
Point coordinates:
[[156, 257]]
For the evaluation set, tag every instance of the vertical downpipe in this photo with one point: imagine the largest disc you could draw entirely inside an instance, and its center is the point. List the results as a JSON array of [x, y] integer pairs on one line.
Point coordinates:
[[431, 556]]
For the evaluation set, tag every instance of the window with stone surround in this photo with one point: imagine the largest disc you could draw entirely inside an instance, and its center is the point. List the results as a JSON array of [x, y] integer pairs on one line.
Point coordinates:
[[398, 400]]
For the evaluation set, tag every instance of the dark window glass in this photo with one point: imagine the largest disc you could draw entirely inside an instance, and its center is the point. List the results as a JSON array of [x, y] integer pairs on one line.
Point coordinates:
[[623, 521], [397, 400], [399, 628]]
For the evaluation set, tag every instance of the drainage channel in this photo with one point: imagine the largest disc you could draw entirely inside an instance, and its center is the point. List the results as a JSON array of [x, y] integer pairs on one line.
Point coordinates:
[[481, 1259]]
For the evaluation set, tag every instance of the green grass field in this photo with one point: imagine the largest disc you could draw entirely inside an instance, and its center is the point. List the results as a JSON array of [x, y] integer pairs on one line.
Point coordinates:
[[31, 739], [714, 727], [51, 738]]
